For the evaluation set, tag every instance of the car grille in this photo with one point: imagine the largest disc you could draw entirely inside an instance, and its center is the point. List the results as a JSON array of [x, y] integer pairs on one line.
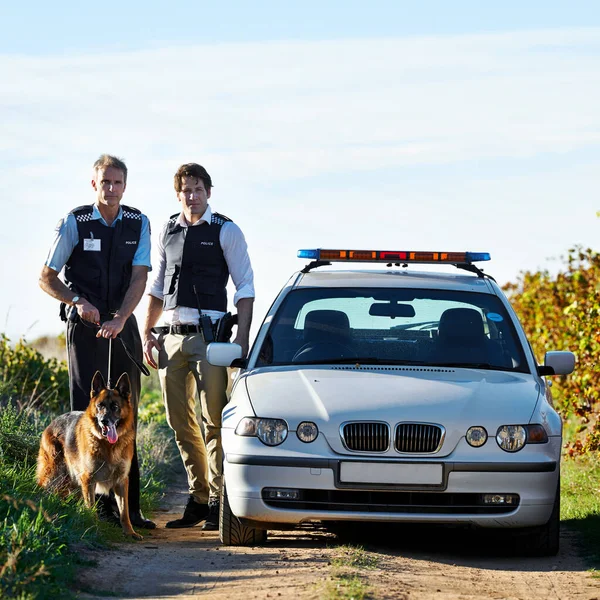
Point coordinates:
[[418, 437], [366, 437], [390, 502]]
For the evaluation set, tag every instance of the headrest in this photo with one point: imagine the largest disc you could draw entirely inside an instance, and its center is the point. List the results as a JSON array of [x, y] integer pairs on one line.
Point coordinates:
[[326, 325], [461, 323]]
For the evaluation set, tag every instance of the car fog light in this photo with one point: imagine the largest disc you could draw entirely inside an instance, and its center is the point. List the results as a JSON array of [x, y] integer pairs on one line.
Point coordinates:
[[307, 432], [281, 494], [501, 499], [511, 438], [476, 436], [271, 432]]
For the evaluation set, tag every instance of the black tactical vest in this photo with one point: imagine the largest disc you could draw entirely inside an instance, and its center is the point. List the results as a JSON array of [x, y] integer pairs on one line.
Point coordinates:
[[196, 272], [102, 277]]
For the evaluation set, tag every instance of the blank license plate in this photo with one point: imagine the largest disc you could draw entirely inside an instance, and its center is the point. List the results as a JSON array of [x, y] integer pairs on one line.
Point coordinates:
[[357, 472]]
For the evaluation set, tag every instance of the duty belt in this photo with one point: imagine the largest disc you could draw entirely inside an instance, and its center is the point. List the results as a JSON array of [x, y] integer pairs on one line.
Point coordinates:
[[220, 331], [178, 329]]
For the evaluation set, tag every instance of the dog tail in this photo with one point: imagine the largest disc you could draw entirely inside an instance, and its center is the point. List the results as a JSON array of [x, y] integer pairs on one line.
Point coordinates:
[[50, 463]]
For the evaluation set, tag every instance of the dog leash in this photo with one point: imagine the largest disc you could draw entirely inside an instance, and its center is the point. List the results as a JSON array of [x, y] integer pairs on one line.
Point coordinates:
[[108, 384], [140, 365]]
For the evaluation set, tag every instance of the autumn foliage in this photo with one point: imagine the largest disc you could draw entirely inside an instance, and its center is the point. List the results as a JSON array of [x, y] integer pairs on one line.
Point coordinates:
[[561, 312]]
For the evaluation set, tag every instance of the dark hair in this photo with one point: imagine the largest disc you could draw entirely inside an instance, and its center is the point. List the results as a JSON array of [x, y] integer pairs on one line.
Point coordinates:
[[192, 170], [107, 160]]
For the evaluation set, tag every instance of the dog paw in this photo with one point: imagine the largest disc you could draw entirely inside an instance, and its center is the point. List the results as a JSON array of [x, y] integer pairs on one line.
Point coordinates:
[[136, 536]]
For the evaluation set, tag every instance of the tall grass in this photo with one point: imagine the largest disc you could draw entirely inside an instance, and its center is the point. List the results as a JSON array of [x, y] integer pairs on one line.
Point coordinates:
[[42, 535]]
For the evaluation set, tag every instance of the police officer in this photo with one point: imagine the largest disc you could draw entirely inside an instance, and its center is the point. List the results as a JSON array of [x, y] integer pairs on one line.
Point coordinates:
[[198, 250], [105, 251]]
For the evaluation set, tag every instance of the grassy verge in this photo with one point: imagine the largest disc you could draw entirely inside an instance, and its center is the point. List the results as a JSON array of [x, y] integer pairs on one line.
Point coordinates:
[[38, 532], [349, 569], [580, 503], [42, 536]]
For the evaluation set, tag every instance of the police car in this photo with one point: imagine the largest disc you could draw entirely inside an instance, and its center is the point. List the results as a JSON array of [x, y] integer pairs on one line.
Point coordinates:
[[391, 395]]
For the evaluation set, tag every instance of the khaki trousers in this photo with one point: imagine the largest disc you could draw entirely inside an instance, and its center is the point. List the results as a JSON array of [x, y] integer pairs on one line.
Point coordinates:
[[183, 370]]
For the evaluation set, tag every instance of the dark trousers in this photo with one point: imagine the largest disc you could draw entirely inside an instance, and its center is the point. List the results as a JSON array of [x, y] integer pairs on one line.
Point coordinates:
[[88, 354]]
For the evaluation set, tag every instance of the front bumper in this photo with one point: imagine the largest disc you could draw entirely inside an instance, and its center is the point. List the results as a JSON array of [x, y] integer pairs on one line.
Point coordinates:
[[329, 499]]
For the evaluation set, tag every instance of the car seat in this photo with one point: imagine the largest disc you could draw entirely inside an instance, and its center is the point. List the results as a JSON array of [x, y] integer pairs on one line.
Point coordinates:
[[461, 337]]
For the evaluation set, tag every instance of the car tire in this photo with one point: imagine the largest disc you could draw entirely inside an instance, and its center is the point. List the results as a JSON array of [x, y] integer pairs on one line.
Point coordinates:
[[232, 532], [545, 539]]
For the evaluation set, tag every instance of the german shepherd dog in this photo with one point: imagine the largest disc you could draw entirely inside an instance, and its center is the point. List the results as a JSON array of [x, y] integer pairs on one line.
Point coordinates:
[[92, 450]]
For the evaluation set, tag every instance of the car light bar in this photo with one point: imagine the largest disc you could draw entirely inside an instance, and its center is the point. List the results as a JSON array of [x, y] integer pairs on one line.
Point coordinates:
[[387, 256]]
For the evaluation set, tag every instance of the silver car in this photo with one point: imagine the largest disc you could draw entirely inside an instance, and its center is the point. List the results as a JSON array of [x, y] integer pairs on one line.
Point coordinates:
[[391, 395]]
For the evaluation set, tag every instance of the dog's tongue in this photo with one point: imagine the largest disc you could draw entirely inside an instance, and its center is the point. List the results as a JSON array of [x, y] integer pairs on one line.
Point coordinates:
[[111, 434]]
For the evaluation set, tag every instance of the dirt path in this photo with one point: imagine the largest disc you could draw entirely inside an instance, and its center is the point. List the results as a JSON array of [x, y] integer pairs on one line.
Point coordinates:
[[418, 565]]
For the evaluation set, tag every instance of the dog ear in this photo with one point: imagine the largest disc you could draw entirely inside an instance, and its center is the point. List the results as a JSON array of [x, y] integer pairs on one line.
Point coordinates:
[[98, 383], [124, 386]]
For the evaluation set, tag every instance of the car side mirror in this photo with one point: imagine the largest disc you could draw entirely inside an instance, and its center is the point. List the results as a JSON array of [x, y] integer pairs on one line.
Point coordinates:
[[223, 354], [557, 363]]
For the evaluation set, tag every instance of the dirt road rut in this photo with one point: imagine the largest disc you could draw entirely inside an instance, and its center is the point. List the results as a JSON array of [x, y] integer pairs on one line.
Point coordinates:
[[419, 565]]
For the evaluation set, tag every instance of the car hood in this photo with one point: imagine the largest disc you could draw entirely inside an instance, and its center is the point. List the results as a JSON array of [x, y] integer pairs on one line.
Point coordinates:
[[453, 398]]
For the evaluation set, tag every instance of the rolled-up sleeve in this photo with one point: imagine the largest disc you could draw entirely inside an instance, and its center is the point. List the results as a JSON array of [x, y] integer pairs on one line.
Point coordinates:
[[157, 285], [65, 239], [236, 255], [142, 254]]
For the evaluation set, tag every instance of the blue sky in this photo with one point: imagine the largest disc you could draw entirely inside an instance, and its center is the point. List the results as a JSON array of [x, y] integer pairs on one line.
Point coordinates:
[[421, 125], [68, 26]]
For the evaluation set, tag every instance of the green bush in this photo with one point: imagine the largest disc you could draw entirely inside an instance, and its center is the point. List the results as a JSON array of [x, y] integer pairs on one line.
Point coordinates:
[[31, 380], [561, 312]]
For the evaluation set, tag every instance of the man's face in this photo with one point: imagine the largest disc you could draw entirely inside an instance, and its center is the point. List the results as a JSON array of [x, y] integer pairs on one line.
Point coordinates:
[[109, 185], [193, 197]]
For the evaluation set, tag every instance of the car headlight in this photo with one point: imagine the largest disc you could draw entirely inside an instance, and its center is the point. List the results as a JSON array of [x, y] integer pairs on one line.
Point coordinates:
[[476, 436], [511, 438], [307, 432], [270, 432]]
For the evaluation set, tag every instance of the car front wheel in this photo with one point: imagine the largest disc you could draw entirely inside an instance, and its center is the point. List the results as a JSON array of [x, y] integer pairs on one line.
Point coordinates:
[[545, 539], [232, 532]]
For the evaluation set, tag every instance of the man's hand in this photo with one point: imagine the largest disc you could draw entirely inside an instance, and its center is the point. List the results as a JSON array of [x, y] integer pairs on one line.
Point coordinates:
[[87, 311], [244, 343], [151, 342], [112, 328]]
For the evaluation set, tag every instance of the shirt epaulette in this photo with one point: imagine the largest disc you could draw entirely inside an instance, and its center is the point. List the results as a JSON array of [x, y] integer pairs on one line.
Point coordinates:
[[131, 213], [219, 219], [83, 213], [172, 225]]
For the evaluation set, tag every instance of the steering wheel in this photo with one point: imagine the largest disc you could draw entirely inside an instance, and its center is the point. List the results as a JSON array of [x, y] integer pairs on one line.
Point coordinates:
[[312, 351]]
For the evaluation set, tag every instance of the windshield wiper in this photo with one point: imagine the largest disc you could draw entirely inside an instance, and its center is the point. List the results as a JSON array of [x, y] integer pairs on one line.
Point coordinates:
[[464, 365]]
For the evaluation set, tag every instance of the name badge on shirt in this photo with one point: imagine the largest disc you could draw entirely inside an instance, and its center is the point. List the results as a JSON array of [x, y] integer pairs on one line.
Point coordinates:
[[92, 244]]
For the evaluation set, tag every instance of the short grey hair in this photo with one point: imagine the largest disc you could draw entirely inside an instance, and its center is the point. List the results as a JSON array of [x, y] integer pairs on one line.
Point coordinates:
[[107, 160]]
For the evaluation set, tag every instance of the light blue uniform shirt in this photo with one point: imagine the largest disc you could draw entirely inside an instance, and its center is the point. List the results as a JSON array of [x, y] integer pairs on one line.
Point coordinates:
[[66, 237]]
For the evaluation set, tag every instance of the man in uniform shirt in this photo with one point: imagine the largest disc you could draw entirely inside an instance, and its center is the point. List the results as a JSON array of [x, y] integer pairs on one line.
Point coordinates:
[[198, 251], [104, 249]]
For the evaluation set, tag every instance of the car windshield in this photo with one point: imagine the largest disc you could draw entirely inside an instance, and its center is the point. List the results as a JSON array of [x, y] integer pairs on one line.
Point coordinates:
[[393, 326]]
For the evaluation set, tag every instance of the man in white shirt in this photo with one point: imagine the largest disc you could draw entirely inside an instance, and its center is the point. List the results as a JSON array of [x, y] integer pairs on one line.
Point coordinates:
[[198, 251]]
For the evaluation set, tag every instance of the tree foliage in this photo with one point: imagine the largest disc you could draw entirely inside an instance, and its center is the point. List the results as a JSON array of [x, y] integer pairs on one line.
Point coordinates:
[[561, 312]]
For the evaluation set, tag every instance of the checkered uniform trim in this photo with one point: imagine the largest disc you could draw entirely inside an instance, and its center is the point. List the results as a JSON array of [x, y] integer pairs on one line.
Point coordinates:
[[83, 218], [219, 219], [83, 214], [130, 215]]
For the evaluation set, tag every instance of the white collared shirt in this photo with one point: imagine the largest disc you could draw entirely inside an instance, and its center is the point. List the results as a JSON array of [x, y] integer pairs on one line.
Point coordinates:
[[235, 251]]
